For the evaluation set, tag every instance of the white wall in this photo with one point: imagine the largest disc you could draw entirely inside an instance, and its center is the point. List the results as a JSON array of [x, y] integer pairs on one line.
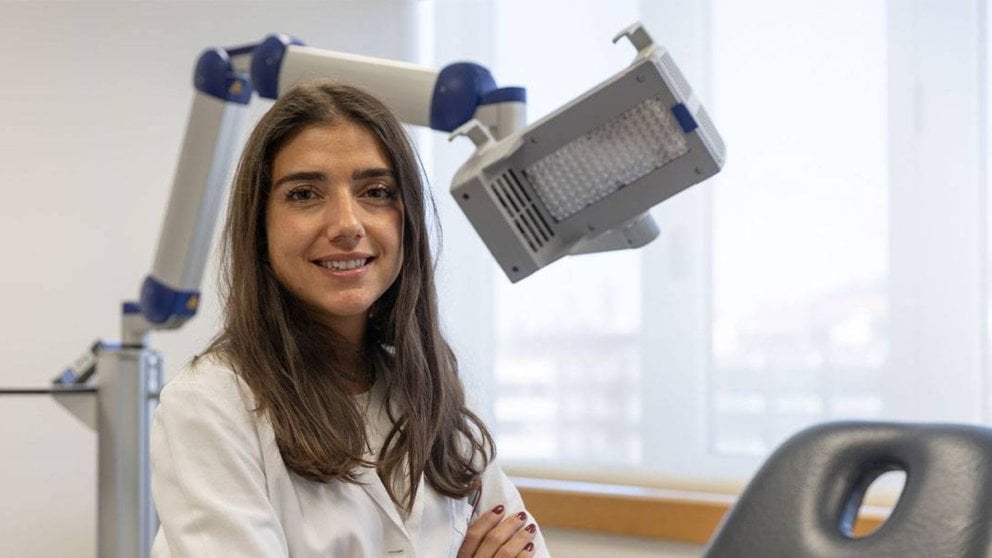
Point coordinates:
[[92, 111]]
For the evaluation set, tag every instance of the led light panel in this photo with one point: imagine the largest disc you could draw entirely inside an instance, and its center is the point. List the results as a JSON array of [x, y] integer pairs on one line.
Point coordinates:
[[608, 158]]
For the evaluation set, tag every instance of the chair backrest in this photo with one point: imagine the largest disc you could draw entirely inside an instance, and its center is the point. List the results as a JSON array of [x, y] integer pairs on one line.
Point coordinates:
[[803, 502]]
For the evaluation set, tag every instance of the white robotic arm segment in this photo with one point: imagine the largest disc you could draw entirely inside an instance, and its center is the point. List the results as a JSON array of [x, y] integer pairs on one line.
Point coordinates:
[[440, 99], [405, 88], [170, 293]]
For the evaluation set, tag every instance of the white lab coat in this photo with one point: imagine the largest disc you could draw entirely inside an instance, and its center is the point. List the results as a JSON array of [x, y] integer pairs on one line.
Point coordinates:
[[222, 489]]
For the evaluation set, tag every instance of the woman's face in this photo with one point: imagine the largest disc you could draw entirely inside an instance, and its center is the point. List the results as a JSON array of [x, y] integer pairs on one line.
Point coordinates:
[[334, 223]]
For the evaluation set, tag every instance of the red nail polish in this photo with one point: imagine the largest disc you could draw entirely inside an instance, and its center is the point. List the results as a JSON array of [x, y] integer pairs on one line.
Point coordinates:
[[531, 528], [522, 516], [498, 509], [529, 547]]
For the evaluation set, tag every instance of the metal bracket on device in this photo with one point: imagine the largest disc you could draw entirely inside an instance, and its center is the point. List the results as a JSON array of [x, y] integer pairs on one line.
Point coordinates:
[[639, 37]]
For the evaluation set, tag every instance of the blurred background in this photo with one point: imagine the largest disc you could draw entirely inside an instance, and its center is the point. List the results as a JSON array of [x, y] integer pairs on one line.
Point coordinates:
[[837, 268]]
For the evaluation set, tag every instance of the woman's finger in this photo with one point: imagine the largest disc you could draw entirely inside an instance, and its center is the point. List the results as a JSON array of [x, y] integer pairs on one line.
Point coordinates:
[[527, 552], [478, 530], [494, 541], [520, 544]]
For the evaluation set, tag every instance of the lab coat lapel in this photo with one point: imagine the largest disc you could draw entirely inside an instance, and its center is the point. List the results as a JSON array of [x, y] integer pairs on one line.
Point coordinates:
[[417, 513], [372, 484]]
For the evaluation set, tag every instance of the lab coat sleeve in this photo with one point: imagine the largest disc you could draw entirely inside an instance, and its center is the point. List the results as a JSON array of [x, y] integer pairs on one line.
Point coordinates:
[[208, 479], [498, 489]]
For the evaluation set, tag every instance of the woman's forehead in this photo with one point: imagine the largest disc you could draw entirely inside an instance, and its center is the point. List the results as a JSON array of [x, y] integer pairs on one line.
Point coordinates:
[[330, 146]]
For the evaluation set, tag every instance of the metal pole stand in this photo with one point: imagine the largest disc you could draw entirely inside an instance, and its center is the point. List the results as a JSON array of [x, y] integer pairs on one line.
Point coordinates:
[[113, 389], [130, 377]]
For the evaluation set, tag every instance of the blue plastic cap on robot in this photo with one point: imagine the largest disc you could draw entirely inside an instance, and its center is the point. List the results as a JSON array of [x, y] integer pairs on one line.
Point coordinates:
[[167, 307], [215, 76], [461, 88], [266, 61]]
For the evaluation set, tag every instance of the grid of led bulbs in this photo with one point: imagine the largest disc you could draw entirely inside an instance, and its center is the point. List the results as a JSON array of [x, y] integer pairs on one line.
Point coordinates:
[[608, 158]]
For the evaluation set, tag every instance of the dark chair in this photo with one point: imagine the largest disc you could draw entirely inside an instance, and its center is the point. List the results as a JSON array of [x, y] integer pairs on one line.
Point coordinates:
[[803, 502]]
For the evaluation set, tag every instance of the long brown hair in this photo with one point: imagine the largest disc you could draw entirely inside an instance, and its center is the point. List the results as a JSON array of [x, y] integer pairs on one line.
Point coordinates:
[[292, 364]]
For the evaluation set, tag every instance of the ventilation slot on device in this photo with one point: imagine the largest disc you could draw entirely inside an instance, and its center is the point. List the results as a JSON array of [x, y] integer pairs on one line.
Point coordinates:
[[521, 210]]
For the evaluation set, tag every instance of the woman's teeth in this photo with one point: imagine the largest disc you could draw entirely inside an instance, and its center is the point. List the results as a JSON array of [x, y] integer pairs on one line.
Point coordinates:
[[344, 265]]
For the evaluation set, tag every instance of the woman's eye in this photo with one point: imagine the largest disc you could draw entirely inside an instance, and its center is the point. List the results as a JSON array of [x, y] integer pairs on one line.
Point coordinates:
[[300, 194], [381, 192]]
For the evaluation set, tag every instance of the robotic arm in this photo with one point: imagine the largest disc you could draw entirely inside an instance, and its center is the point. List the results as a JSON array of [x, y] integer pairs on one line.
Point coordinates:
[[580, 180], [170, 293], [438, 99], [442, 100]]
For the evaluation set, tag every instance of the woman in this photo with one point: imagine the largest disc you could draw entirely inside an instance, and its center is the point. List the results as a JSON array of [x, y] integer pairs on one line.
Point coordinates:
[[327, 418]]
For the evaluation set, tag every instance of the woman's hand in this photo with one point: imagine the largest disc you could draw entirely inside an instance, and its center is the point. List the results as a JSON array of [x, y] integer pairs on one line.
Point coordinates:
[[493, 536]]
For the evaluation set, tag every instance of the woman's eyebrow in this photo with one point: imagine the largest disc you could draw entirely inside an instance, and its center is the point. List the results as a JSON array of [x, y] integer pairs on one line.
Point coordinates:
[[302, 176], [362, 174]]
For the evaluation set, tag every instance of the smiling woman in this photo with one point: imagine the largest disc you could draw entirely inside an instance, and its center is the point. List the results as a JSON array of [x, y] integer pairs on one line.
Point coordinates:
[[335, 224], [328, 417]]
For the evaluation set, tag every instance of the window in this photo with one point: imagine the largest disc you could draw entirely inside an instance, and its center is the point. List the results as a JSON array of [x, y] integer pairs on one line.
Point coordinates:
[[835, 269], [799, 221]]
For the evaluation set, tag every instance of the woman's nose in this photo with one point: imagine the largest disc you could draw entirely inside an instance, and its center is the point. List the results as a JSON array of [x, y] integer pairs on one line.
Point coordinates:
[[343, 220]]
